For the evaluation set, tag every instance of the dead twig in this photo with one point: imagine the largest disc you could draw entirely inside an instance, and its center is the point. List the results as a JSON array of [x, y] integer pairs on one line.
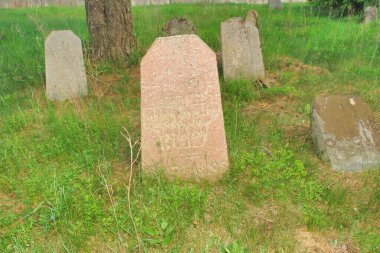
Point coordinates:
[[113, 205], [134, 158]]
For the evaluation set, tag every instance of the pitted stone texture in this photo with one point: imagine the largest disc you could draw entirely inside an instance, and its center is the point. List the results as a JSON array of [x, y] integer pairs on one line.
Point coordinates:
[[179, 26], [182, 126], [345, 133], [241, 51], [65, 72], [274, 4], [370, 14]]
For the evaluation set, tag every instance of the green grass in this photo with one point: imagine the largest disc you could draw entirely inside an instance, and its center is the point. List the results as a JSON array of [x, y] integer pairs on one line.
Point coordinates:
[[64, 167]]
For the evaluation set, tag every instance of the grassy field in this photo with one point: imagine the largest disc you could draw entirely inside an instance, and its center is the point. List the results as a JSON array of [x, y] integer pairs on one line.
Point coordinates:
[[64, 167]]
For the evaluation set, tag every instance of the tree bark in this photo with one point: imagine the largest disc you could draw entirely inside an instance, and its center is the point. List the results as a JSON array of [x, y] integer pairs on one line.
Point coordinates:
[[110, 26]]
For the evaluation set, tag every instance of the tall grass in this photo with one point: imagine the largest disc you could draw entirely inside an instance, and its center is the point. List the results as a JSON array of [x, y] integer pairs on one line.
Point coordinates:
[[64, 166]]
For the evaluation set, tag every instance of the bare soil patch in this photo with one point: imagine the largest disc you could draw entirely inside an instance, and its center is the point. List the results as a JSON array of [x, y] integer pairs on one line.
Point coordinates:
[[315, 243], [270, 80], [276, 107], [294, 65], [102, 84], [9, 204]]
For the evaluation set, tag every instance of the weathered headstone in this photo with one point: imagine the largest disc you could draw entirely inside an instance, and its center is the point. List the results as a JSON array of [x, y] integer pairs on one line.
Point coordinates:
[[370, 14], [253, 18], [182, 126], [65, 72], [345, 133], [179, 26], [274, 4], [241, 51]]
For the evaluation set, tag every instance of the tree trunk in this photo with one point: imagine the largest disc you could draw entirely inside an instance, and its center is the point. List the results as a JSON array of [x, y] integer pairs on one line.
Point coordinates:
[[110, 25]]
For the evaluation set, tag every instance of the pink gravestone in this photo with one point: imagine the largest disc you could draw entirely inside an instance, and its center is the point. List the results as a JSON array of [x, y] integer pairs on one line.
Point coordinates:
[[182, 126]]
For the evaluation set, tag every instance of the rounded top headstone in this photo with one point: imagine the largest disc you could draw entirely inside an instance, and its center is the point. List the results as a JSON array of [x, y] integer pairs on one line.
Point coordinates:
[[179, 26], [64, 66]]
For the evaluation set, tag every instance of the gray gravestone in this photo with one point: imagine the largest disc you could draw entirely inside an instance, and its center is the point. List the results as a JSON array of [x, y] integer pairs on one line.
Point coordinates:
[[65, 72], [179, 26], [370, 14], [274, 4], [345, 133], [182, 125], [241, 50]]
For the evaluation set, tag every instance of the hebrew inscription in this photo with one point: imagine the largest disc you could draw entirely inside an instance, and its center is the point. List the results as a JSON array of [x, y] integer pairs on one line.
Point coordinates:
[[181, 112]]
